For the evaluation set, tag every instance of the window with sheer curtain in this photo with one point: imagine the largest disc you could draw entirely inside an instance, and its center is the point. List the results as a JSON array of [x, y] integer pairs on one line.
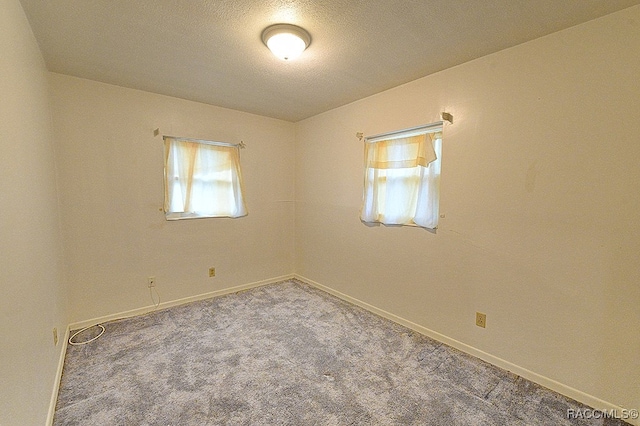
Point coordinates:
[[202, 180], [402, 178]]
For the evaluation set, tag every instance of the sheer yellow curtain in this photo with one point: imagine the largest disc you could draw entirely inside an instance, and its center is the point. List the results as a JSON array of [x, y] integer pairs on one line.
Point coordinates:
[[202, 180], [402, 179]]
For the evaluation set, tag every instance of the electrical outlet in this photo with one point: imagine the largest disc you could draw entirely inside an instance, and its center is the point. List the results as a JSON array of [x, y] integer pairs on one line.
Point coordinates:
[[481, 320], [151, 282], [212, 272], [55, 337]]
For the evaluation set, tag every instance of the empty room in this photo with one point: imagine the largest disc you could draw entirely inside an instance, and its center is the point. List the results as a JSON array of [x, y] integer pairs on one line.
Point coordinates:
[[427, 214]]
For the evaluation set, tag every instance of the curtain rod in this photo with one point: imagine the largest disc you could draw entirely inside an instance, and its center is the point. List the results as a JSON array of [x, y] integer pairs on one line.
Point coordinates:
[[426, 128], [444, 115], [205, 141]]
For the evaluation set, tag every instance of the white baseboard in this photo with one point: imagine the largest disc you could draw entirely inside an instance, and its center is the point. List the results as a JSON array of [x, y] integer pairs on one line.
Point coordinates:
[[554, 385], [163, 305], [56, 383]]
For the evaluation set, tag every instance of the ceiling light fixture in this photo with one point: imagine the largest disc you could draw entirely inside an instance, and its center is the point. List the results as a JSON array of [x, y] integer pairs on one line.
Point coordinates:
[[286, 41]]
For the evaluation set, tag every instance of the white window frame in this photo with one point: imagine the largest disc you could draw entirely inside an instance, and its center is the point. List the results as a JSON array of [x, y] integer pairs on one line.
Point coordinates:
[[387, 201], [202, 179]]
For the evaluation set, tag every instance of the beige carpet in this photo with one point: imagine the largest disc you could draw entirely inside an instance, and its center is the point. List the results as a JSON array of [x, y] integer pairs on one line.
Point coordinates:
[[289, 354]]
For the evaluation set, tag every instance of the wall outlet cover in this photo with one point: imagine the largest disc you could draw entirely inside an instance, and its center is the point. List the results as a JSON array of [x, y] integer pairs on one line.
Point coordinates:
[[481, 320]]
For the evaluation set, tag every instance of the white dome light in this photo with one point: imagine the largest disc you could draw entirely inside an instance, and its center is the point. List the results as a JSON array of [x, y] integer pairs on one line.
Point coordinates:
[[286, 41]]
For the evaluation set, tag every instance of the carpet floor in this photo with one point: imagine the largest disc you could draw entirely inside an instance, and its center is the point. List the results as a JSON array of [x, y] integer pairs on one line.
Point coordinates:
[[289, 354]]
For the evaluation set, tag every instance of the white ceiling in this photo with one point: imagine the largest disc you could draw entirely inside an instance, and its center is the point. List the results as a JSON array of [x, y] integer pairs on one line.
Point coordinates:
[[211, 51]]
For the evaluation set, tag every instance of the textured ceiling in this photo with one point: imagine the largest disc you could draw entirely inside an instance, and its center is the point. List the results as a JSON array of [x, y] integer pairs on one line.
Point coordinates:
[[211, 51]]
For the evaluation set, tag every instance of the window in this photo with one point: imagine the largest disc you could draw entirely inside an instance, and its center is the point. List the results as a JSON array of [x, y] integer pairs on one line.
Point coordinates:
[[202, 179], [402, 177]]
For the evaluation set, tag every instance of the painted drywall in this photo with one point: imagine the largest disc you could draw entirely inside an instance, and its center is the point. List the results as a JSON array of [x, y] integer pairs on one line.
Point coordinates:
[[110, 168], [540, 199], [31, 282]]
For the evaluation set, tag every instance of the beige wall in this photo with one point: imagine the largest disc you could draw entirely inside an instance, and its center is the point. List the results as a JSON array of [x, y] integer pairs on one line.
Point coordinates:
[[540, 192], [31, 291], [111, 191]]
